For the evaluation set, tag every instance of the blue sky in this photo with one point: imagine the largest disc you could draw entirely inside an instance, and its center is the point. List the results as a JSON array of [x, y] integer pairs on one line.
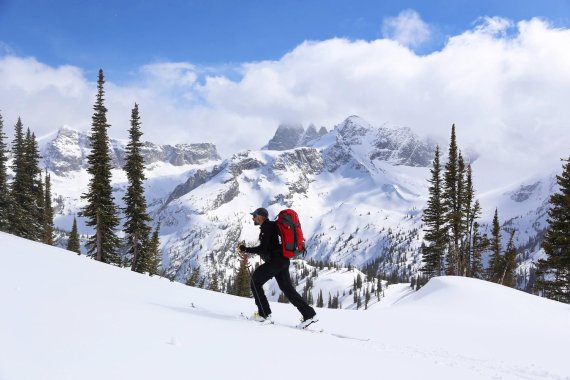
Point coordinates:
[[230, 72], [120, 35]]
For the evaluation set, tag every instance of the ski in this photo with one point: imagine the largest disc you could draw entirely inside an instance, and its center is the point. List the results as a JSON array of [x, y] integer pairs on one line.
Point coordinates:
[[262, 323], [309, 328]]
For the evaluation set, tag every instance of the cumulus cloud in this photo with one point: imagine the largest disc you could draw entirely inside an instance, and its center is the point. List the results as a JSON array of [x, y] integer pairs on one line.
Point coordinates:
[[503, 84], [407, 28]]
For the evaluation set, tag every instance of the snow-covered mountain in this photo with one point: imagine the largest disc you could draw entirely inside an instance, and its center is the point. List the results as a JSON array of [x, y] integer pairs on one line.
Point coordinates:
[[68, 151], [359, 190], [66, 317], [65, 152]]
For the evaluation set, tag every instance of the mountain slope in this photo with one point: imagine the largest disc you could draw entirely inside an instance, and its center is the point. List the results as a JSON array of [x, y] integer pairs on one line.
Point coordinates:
[[358, 190], [68, 317]]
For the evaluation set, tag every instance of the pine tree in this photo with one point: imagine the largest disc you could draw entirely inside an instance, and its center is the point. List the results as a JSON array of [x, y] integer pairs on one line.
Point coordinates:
[[151, 261], [358, 281], [451, 202], [496, 264], [320, 300], [22, 210], [136, 217], [479, 244], [100, 210], [73, 244], [435, 226], [36, 185], [470, 211], [5, 201], [214, 284], [553, 273], [242, 286], [194, 277], [48, 237], [508, 277]]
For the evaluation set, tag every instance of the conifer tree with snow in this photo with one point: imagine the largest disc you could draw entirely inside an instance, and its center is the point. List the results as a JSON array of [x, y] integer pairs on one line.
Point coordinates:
[[496, 265], [73, 244], [5, 201], [48, 237], [434, 221], [136, 222], [101, 211], [452, 187], [553, 272]]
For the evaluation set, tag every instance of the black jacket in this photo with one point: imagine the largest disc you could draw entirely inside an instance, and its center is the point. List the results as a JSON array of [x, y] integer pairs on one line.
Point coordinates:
[[269, 246]]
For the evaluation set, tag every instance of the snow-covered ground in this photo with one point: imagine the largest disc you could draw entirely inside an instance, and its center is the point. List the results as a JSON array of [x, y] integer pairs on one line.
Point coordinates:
[[68, 317]]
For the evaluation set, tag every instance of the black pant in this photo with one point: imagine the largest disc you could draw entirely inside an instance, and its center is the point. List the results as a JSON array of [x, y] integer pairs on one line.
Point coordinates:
[[279, 268]]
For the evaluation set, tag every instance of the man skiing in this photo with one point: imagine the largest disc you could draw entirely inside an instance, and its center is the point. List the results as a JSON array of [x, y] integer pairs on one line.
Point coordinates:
[[275, 265]]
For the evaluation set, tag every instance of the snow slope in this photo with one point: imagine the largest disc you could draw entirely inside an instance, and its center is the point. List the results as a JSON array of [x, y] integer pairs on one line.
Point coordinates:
[[67, 317]]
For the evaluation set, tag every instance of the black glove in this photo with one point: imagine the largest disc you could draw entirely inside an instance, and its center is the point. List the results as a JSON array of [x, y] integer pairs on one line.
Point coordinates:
[[241, 248]]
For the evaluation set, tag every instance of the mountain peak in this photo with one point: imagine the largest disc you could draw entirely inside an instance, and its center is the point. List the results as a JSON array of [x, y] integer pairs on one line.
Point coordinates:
[[289, 136]]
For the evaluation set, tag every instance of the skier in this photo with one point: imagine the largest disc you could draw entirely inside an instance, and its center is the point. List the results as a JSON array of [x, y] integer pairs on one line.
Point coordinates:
[[275, 265]]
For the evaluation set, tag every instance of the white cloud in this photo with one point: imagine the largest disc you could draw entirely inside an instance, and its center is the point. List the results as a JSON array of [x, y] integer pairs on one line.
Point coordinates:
[[172, 73], [506, 93], [407, 28]]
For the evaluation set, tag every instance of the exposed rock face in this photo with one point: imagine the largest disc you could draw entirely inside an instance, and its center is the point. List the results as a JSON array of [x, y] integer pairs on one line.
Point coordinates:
[[402, 147], [286, 137], [294, 136]]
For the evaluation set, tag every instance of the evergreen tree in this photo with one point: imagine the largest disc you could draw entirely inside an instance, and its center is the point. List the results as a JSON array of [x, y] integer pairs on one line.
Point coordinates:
[[22, 210], [471, 211], [5, 202], [435, 226], [508, 277], [452, 203], [496, 264], [48, 237], [553, 273], [36, 185], [480, 244], [101, 211], [320, 300], [194, 277], [358, 281], [242, 285], [151, 260], [73, 242], [214, 284], [136, 217]]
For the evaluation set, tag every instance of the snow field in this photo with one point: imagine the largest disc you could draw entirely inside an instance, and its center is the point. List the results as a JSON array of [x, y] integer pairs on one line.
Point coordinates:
[[68, 317]]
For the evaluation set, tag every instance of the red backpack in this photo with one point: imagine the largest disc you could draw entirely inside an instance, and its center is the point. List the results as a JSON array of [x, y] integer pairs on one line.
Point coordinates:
[[292, 240]]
